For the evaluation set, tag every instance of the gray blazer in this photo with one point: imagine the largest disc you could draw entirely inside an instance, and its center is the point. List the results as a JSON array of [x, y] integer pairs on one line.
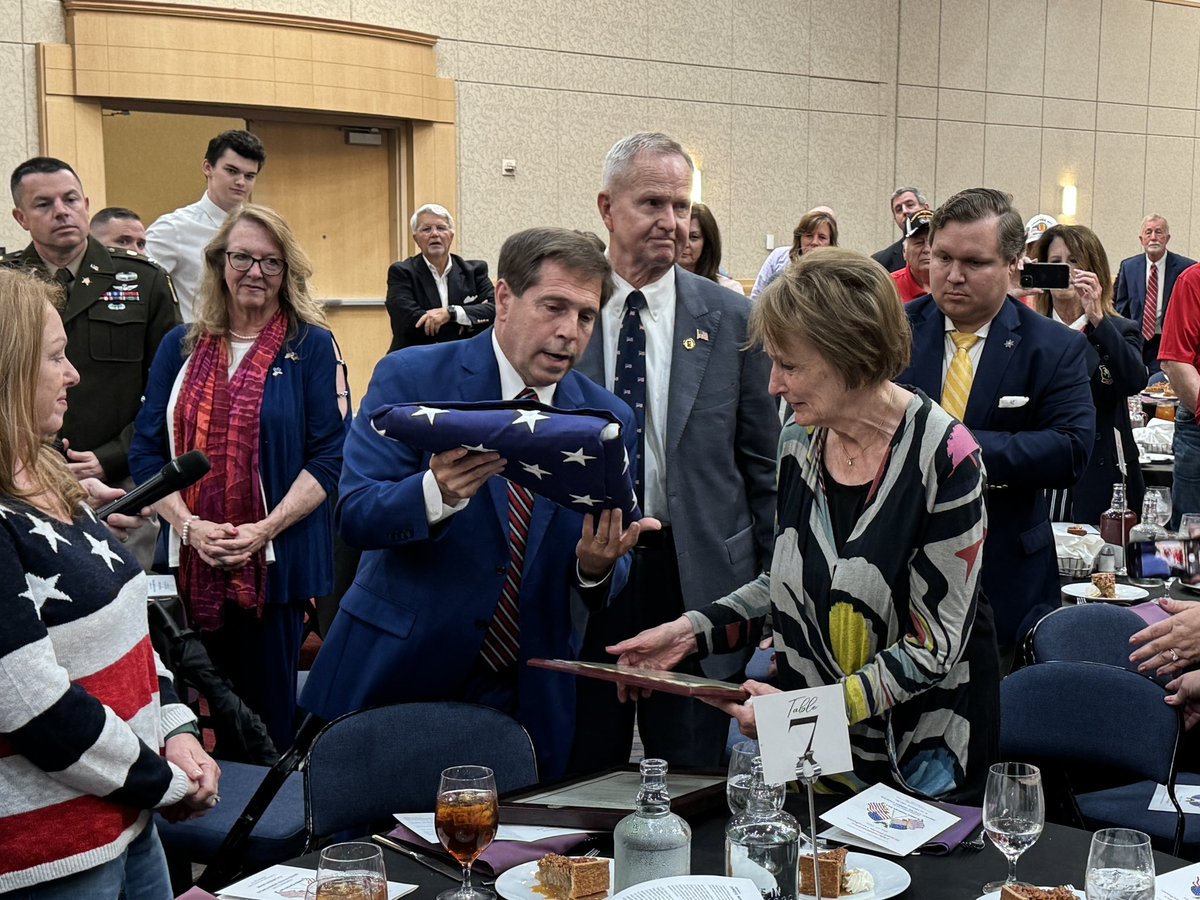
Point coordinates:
[[722, 437]]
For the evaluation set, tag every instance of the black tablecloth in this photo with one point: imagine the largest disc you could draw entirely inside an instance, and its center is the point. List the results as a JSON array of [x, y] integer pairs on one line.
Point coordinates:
[[1059, 857]]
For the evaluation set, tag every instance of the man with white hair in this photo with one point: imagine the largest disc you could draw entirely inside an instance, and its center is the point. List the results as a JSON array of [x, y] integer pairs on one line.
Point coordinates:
[[1145, 284], [435, 295]]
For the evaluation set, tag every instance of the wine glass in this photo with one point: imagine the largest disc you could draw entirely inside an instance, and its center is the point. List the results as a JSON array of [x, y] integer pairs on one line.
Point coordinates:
[[350, 871], [1013, 813], [737, 786], [1164, 504], [466, 820], [1120, 866], [1187, 523]]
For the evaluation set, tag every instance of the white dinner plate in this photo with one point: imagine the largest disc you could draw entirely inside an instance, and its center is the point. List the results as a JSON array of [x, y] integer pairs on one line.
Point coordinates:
[[1085, 590], [518, 883], [995, 895], [890, 879], [1189, 587], [1150, 458]]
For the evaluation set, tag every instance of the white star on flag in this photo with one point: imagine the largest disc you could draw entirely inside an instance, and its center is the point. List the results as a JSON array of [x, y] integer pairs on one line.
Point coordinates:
[[577, 456], [535, 470], [428, 412], [478, 448], [46, 530], [529, 417], [104, 551], [585, 500], [42, 589], [4, 511], [625, 468], [379, 431]]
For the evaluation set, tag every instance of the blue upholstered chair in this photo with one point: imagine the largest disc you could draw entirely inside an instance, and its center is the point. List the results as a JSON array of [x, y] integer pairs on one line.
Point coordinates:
[[1090, 632]]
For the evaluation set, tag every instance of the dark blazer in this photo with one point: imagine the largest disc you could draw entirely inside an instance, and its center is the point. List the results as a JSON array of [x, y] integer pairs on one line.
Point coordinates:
[[1114, 357], [412, 624], [721, 440], [1042, 443], [891, 257], [412, 292], [1130, 298], [119, 307]]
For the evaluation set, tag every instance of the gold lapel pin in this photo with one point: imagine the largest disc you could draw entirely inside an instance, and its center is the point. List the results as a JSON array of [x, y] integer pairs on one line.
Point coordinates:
[[689, 344]]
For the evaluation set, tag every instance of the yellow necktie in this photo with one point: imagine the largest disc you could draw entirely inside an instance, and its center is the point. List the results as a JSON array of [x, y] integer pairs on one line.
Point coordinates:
[[959, 376]]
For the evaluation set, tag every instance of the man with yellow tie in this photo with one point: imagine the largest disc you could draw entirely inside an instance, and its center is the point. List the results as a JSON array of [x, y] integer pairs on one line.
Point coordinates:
[[1018, 380]]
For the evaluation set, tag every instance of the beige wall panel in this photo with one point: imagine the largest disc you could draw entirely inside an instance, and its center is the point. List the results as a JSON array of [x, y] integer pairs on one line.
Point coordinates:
[[1068, 157], [15, 141], [917, 102], [1016, 46], [1121, 117], [963, 36], [616, 27], [1192, 247], [1012, 162], [1125, 51], [1169, 163], [32, 127], [782, 47], [321, 9], [11, 11], [152, 160], [769, 185], [1072, 64], [349, 260], [920, 20], [1079, 114], [415, 15], [770, 90], [1167, 121], [838, 95], [959, 157], [672, 81], [1175, 56], [292, 44], [697, 32], [916, 158], [522, 23], [842, 151], [1010, 109], [961, 106], [592, 74], [704, 130], [486, 64], [846, 41], [1117, 205], [42, 22], [364, 333]]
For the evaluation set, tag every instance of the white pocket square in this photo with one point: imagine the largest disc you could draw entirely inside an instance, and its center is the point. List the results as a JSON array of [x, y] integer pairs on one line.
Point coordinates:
[[470, 299], [1013, 402]]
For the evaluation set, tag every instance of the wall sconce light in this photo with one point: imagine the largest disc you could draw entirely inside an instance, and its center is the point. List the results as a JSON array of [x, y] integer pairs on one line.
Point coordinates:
[[697, 185], [1070, 197]]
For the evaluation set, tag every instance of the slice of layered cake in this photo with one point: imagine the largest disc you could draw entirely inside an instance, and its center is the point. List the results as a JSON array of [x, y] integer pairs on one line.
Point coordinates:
[[831, 866], [573, 877], [1027, 892]]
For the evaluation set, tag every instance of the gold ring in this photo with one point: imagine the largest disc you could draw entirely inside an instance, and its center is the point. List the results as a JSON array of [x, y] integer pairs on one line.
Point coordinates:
[[1174, 655]]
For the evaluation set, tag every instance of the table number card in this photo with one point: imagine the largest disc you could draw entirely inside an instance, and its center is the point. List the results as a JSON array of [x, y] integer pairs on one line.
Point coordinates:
[[795, 723], [887, 821], [1182, 884]]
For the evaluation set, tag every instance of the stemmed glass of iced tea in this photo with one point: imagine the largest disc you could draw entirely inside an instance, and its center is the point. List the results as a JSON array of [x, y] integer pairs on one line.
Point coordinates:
[[466, 819]]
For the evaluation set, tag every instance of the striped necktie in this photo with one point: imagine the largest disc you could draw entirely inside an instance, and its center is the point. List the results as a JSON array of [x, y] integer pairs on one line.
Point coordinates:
[[959, 376], [502, 643], [1150, 316]]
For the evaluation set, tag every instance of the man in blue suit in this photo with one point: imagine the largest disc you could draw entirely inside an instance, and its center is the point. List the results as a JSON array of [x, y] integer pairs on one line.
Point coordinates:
[[1134, 278], [1029, 401], [423, 610], [710, 434]]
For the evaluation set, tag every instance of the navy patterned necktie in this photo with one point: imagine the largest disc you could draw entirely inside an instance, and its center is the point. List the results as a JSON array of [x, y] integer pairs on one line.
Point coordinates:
[[629, 380]]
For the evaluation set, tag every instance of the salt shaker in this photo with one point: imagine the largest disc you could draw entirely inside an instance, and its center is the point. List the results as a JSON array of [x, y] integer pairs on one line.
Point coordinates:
[[1106, 561]]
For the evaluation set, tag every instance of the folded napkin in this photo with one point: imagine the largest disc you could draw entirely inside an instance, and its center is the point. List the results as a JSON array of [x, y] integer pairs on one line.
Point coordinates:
[[1150, 612], [575, 457], [1078, 546], [195, 893], [500, 856], [1155, 437], [970, 818]]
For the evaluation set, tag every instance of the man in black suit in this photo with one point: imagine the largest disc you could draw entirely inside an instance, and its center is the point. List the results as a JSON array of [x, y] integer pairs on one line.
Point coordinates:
[[437, 296], [1135, 277], [905, 202]]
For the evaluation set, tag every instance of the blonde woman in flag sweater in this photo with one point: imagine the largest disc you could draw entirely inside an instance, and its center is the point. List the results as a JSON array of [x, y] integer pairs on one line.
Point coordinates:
[[92, 737]]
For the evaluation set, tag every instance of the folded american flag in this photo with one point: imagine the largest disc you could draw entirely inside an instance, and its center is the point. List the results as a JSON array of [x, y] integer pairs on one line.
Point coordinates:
[[575, 457]]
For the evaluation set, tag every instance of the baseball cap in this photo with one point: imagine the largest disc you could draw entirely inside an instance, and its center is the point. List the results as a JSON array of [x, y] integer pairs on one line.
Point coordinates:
[[1036, 227], [917, 221]]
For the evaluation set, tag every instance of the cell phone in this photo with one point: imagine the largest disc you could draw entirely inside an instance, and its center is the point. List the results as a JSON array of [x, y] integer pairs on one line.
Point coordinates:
[[1162, 559], [1049, 276]]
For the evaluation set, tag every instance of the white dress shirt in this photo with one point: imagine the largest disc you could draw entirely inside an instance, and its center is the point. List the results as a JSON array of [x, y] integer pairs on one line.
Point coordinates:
[[1161, 265], [658, 320], [951, 348], [176, 242], [443, 288], [1077, 325], [511, 385]]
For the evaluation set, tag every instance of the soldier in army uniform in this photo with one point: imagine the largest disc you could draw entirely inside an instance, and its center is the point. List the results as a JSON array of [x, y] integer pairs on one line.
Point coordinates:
[[119, 306]]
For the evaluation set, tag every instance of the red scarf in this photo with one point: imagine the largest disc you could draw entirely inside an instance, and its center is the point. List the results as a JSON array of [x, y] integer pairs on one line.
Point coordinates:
[[220, 415]]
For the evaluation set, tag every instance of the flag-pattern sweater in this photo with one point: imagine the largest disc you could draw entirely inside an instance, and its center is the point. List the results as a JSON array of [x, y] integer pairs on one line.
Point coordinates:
[[85, 703]]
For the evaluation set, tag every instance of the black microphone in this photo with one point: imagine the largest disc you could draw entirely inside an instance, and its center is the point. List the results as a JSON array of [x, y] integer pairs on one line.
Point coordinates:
[[175, 475]]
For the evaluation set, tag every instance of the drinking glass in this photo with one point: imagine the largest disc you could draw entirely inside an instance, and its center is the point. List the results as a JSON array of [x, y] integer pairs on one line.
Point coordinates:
[[350, 871], [1164, 503], [1013, 813], [1188, 522], [466, 819], [737, 786], [1120, 866]]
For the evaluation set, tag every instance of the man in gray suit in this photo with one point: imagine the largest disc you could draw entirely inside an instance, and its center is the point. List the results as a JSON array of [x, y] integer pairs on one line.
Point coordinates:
[[671, 345]]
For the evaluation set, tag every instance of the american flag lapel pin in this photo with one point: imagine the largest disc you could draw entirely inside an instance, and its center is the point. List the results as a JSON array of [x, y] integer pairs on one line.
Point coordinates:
[[701, 334]]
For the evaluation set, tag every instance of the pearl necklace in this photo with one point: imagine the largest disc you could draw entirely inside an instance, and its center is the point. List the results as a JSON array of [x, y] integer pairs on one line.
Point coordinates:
[[244, 337]]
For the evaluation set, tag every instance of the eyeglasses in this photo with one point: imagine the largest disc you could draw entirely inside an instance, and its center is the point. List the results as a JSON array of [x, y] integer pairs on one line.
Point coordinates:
[[435, 229], [244, 262]]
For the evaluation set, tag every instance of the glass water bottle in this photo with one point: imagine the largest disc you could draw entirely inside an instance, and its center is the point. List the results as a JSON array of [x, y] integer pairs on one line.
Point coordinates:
[[652, 842], [763, 843], [1148, 530]]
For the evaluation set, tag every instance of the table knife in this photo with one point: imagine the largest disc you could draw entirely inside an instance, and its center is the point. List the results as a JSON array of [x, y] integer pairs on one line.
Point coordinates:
[[433, 865]]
